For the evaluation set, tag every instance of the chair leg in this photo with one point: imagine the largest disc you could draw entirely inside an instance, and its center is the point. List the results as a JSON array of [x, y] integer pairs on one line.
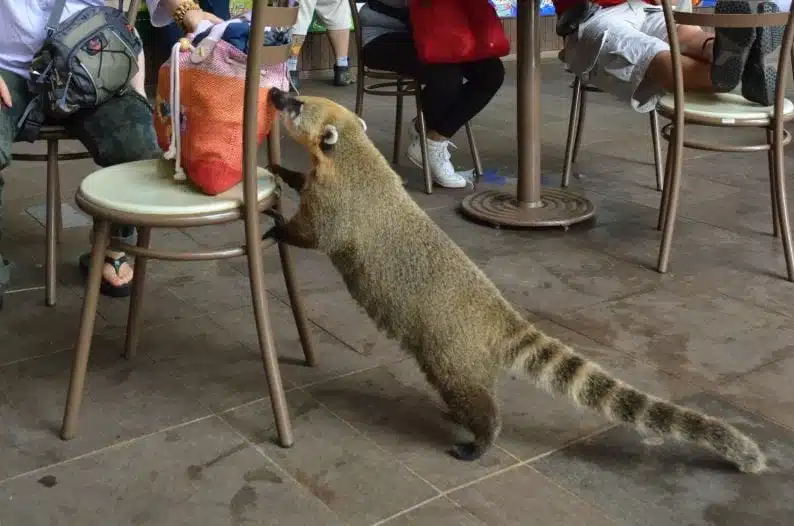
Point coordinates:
[[87, 318], [398, 125], [256, 275], [58, 204], [657, 150], [577, 143], [671, 209], [423, 142], [134, 318], [770, 138], [665, 187], [573, 125], [782, 204], [475, 154], [296, 302], [52, 224], [360, 88]]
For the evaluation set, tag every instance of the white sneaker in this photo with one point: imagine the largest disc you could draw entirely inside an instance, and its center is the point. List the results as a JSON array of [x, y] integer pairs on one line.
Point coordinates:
[[438, 158]]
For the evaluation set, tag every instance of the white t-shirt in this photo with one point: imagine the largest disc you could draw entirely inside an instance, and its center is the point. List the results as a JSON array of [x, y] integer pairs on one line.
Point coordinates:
[[23, 27]]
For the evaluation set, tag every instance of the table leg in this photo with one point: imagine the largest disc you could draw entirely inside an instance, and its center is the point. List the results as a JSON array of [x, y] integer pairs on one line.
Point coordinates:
[[533, 206]]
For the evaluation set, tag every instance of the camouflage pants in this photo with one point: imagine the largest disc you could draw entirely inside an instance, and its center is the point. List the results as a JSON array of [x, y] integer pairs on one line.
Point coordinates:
[[116, 132]]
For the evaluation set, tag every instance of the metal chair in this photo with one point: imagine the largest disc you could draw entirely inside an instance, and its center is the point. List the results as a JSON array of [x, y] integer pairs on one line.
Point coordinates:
[[144, 194], [726, 110], [53, 134], [394, 85], [574, 139]]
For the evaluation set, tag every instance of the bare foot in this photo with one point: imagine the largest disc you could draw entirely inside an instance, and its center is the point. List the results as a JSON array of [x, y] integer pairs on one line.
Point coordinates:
[[120, 277]]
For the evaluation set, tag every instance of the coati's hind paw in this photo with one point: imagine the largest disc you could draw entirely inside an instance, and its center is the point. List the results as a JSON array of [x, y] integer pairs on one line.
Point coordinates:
[[468, 451]]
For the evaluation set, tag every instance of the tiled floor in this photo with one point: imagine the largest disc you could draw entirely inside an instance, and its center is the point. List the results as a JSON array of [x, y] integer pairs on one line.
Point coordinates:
[[184, 433]]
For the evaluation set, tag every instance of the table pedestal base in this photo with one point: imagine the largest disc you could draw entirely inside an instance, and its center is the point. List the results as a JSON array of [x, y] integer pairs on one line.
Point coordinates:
[[558, 207]]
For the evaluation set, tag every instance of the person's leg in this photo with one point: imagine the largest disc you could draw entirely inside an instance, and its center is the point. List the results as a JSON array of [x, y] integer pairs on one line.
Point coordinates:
[[336, 17], [118, 131], [299, 31], [483, 80], [396, 52], [697, 50], [9, 116]]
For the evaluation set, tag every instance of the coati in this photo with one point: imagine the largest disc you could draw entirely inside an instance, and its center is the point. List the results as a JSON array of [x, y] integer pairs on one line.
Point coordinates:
[[422, 290]]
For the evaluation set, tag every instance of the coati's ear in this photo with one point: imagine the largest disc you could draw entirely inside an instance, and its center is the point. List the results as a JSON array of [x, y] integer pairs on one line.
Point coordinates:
[[330, 138], [363, 124]]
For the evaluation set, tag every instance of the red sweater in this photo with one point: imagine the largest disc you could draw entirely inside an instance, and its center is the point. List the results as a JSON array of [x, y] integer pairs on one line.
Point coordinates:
[[561, 5]]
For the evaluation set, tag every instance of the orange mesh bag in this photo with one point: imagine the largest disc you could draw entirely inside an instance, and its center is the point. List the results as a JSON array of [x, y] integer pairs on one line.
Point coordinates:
[[204, 85]]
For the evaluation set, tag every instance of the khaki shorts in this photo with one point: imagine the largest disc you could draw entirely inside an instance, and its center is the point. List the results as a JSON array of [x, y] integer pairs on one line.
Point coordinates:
[[612, 51], [333, 14]]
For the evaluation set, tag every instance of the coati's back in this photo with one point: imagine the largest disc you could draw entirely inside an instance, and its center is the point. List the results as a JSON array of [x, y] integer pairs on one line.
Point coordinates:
[[409, 276]]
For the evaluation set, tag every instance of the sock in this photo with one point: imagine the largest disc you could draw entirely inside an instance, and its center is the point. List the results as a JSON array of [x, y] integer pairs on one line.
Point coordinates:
[[342, 62], [292, 64]]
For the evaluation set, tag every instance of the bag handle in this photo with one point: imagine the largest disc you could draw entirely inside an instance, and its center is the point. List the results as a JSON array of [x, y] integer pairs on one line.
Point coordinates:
[[55, 16]]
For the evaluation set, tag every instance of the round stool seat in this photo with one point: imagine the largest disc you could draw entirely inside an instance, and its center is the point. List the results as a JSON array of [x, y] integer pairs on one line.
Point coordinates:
[[148, 188], [726, 108]]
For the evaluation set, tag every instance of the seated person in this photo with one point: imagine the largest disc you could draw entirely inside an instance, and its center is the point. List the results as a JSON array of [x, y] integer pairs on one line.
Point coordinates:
[[118, 131], [452, 95], [623, 50]]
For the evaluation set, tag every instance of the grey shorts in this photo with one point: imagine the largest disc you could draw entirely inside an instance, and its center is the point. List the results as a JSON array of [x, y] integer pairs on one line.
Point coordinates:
[[612, 51]]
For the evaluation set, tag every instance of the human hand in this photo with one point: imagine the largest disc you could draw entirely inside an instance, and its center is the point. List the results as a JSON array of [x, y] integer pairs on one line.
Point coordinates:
[[5, 95], [193, 18]]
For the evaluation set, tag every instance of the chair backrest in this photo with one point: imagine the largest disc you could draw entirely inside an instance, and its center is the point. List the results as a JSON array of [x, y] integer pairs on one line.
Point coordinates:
[[259, 55], [679, 17]]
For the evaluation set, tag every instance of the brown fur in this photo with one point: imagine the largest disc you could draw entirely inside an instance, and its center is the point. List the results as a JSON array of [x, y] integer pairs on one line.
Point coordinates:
[[422, 290]]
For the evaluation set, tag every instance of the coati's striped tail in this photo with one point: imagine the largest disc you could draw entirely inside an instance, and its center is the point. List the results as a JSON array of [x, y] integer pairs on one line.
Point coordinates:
[[557, 369]]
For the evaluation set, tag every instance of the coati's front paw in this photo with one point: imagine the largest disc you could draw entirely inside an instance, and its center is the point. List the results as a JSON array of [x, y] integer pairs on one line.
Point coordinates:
[[467, 451], [276, 233]]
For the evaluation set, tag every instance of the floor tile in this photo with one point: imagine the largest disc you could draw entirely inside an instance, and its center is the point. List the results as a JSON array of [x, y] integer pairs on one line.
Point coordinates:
[[441, 511], [353, 477], [694, 334], [396, 407], [767, 390], [655, 485], [523, 496], [123, 400], [200, 473]]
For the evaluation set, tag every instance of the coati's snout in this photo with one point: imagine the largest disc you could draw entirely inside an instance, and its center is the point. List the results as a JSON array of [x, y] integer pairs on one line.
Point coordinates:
[[316, 122], [284, 102]]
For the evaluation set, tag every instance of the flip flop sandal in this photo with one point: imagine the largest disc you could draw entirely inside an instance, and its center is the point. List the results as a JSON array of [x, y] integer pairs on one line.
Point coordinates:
[[760, 73], [107, 288], [731, 46]]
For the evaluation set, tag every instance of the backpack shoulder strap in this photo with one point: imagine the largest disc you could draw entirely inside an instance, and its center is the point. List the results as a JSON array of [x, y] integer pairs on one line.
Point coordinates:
[[55, 16]]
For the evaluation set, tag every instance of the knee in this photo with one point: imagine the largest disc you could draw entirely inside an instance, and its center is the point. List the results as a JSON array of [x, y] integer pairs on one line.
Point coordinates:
[[490, 75]]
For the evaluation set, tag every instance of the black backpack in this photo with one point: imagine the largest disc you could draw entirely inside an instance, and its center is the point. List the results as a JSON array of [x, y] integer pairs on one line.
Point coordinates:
[[86, 60]]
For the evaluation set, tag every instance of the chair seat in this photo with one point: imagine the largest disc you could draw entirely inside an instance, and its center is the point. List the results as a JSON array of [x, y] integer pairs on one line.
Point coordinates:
[[147, 187], [726, 108]]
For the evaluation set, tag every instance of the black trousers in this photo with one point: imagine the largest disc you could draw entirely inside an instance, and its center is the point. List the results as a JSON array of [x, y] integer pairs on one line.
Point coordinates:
[[453, 93]]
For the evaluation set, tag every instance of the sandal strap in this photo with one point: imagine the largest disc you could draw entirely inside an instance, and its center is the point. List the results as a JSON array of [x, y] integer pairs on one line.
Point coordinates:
[[117, 262]]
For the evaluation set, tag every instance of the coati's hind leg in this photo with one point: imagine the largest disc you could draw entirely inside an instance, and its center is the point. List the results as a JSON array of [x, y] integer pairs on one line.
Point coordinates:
[[474, 407]]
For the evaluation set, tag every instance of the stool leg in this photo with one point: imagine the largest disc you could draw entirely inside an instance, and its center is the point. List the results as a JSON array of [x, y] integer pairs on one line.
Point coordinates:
[[770, 139], [573, 130], [398, 125], [134, 318], [475, 154], [87, 318], [423, 141], [52, 223], [657, 150]]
